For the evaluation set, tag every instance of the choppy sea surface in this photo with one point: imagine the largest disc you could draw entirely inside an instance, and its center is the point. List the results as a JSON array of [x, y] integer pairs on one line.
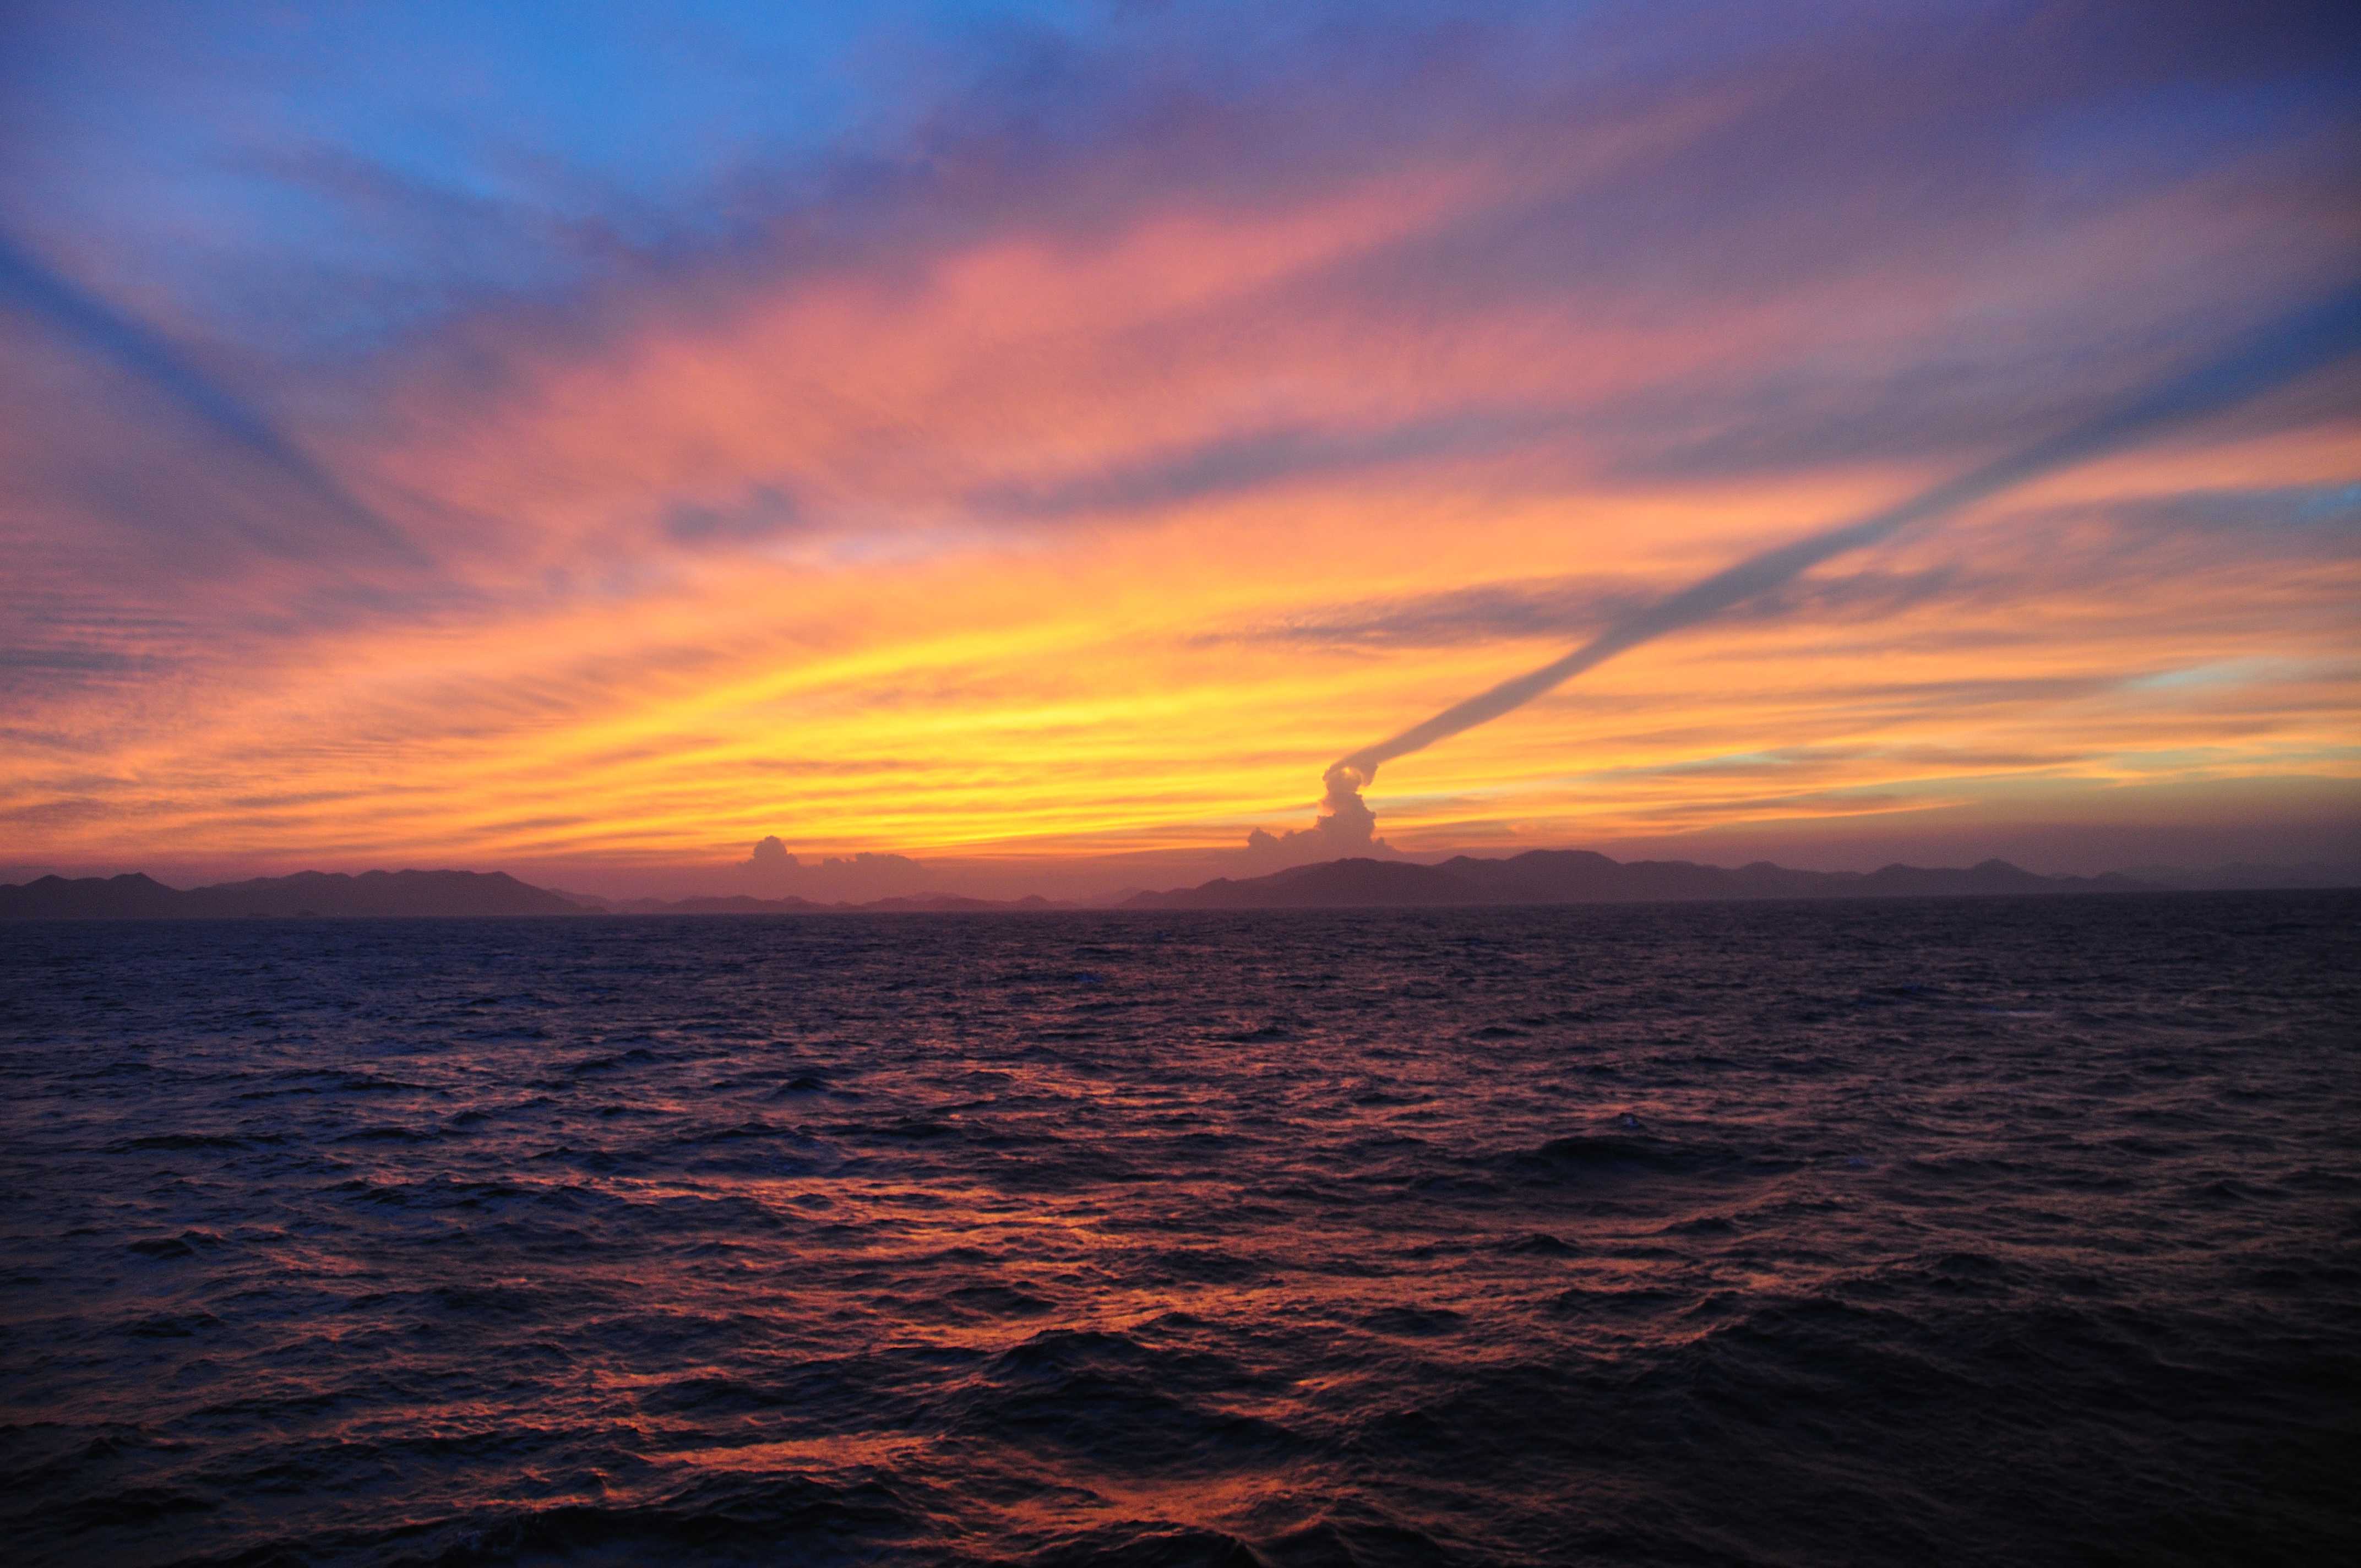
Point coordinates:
[[1969, 1231]]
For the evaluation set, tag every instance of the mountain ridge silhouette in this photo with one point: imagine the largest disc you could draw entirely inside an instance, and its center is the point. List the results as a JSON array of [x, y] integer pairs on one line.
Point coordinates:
[[1535, 876], [1585, 876]]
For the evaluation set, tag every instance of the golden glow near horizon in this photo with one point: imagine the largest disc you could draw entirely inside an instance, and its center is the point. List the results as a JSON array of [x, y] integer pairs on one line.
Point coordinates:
[[1168, 684], [1061, 539]]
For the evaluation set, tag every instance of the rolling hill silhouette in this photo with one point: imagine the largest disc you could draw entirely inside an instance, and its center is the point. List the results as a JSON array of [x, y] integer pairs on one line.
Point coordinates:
[[1537, 876], [1582, 876], [138, 896]]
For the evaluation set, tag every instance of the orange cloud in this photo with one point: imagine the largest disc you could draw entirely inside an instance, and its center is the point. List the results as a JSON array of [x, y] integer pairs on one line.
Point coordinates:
[[1048, 540]]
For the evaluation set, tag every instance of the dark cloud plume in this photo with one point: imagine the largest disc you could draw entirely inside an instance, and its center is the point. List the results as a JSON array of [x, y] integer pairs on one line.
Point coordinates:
[[1344, 827], [1564, 607], [2281, 352]]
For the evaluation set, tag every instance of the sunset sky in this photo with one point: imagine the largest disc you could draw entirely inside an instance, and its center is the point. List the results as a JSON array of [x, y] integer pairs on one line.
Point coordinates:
[[1038, 440]]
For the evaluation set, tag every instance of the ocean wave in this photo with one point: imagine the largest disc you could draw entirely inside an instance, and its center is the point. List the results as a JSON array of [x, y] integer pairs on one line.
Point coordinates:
[[1943, 1232]]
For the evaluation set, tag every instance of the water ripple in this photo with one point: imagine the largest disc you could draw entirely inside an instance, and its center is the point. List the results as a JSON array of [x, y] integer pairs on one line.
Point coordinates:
[[1951, 1231]]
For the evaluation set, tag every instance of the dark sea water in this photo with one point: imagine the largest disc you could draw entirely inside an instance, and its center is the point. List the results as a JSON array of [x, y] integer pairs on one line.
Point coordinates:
[[1933, 1232]]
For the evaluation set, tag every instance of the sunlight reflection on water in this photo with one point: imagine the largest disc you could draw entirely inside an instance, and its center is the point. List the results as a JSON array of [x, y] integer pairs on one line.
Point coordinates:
[[1502, 1236]]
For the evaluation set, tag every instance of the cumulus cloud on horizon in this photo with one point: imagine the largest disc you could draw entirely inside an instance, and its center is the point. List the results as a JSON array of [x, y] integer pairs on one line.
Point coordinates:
[[771, 870]]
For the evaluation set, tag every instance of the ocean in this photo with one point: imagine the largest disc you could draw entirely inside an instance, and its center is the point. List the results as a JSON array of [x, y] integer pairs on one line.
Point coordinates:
[[1942, 1231]]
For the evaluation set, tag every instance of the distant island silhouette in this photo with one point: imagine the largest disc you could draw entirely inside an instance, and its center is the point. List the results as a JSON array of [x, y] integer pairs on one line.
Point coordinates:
[[1583, 876], [138, 896], [1537, 876], [443, 893]]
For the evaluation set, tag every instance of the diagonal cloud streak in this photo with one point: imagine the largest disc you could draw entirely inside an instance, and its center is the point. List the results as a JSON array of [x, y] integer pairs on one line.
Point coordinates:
[[107, 333], [2290, 347]]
